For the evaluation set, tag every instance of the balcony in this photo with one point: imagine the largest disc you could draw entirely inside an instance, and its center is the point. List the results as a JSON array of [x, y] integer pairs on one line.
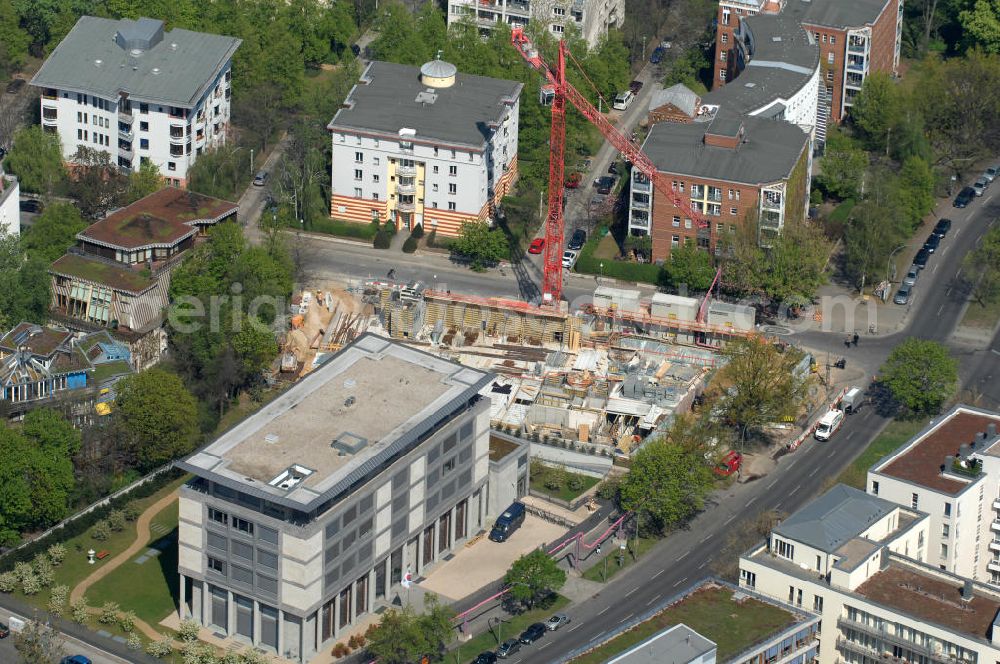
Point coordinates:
[[993, 565], [856, 66], [402, 170], [50, 93], [49, 115], [995, 525], [125, 133], [406, 206], [994, 545], [639, 204], [644, 185], [406, 187], [125, 114], [177, 134], [715, 198], [996, 504], [857, 48], [125, 150], [881, 633]]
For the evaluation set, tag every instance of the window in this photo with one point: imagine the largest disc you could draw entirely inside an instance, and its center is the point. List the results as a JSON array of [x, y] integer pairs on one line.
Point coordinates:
[[434, 170], [359, 157], [874, 488], [451, 205], [722, 74], [357, 192], [216, 565], [448, 466], [944, 550], [558, 11], [217, 516], [143, 143], [267, 559], [434, 187], [358, 174], [375, 160], [375, 178], [824, 39], [171, 166], [914, 501], [722, 56], [819, 564], [144, 108], [675, 240], [242, 550], [732, 210], [829, 75], [829, 57], [79, 134], [243, 525], [725, 38], [676, 222], [435, 151], [374, 195], [143, 125], [945, 530], [784, 549], [452, 170], [817, 604], [452, 188], [833, 39], [687, 224], [947, 509]]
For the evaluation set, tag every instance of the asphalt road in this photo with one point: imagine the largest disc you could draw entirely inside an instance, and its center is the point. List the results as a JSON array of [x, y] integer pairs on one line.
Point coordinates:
[[9, 655]]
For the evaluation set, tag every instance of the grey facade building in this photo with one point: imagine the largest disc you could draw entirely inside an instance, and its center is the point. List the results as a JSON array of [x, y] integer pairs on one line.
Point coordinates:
[[309, 513]]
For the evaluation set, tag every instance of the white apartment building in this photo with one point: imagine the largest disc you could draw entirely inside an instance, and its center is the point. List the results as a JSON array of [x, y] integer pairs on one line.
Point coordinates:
[[139, 93], [10, 206], [593, 18], [423, 146], [951, 471], [859, 562]]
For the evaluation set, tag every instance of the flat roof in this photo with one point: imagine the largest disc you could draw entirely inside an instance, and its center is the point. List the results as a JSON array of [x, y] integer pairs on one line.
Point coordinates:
[[675, 645], [101, 272], [372, 401], [769, 151], [933, 598], [835, 518], [919, 461], [107, 57], [41, 341], [161, 219], [386, 100], [837, 13]]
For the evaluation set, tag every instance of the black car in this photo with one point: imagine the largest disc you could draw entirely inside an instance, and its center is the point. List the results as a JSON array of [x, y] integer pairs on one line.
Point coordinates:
[[932, 243], [534, 632], [613, 168], [964, 197], [604, 184], [942, 227], [485, 658], [578, 239], [356, 50], [508, 648], [14, 86], [31, 205], [920, 260]]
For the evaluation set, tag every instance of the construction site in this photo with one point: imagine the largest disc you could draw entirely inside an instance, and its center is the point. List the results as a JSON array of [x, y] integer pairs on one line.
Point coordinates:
[[606, 377]]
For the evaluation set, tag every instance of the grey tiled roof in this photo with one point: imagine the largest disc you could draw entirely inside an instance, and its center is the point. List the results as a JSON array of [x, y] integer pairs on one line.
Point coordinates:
[[769, 152], [834, 518], [460, 114], [679, 95], [103, 57]]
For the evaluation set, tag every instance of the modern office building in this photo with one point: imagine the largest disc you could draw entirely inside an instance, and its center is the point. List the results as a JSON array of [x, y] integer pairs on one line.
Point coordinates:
[[855, 38], [10, 204], [308, 514], [732, 169], [860, 562], [592, 18], [423, 146], [951, 471], [138, 92]]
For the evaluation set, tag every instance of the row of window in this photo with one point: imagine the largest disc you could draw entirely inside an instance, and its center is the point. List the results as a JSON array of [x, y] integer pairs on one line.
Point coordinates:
[[96, 138], [96, 120], [359, 157], [405, 200]]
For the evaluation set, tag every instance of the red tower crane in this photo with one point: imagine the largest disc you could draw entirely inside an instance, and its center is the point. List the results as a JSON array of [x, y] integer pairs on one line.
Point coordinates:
[[563, 91]]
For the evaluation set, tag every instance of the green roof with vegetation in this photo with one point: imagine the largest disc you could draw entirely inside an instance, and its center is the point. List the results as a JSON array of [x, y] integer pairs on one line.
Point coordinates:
[[99, 272]]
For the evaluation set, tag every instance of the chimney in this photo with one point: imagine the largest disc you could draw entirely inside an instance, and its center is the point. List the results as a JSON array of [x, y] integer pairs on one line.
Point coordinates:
[[964, 450], [967, 591], [949, 461]]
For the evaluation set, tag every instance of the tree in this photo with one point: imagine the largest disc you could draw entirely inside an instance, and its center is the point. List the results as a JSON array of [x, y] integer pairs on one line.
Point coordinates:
[[920, 375], [157, 416], [24, 284], [219, 172], [534, 576], [688, 266], [13, 40], [143, 181], [483, 245], [876, 109], [759, 384], [97, 185], [39, 644], [402, 636], [36, 159], [982, 23], [259, 111], [841, 171], [53, 232], [982, 265], [666, 485]]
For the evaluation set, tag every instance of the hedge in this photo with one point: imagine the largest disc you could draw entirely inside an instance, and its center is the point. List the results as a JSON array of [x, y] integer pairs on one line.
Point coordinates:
[[624, 270], [344, 228]]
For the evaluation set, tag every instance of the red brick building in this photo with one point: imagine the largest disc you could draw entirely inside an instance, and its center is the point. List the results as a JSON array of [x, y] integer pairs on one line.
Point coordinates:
[[732, 169], [855, 37]]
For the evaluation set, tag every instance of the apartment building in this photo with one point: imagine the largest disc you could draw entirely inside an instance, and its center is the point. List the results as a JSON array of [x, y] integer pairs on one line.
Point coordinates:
[[951, 471], [855, 38], [10, 204], [731, 169], [307, 515], [424, 146], [860, 562], [138, 92], [591, 18]]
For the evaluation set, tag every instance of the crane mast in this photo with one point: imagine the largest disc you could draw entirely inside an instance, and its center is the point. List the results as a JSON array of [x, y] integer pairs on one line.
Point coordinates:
[[563, 91]]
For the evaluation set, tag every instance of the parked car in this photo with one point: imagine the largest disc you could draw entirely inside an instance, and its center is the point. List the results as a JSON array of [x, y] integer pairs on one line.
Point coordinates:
[[31, 205], [635, 86], [604, 184], [534, 632], [912, 275], [964, 197], [507, 523], [623, 100], [75, 659], [657, 55], [903, 294], [508, 648], [613, 168], [573, 180], [578, 239], [942, 227], [260, 179], [4, 630], [932, 243], [15, 86], [556, 621], [536, 245], [980, 186], [485, 658], [991, 173], [569, 259], [356, 50], [920, 260]]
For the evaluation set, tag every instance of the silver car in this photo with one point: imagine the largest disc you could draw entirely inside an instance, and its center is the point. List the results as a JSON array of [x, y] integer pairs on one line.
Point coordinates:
[[912, 275], [556, 621], [980, 186], [569, 259], [903, 294], [991, 173]]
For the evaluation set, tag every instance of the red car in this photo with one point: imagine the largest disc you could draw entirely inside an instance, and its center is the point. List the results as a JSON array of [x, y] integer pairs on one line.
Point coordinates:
[[536, 245], [573, 181]]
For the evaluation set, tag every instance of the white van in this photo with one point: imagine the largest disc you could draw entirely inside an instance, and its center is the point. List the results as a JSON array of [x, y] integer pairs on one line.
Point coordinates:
[[624, 100], [828, 424]]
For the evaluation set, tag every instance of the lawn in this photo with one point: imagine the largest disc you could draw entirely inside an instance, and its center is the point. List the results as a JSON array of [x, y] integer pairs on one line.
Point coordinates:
[[895, 434], [712, 613], [104, 371], [982, 317], [607, 248], [635, 549], [842, 211], [149, 588], [510, 628], [540, 475], [590, 262]]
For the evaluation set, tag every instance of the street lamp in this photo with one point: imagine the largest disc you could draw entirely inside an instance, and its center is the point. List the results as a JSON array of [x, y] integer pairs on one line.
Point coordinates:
[[888, 263], [602, 271], [251, 161]]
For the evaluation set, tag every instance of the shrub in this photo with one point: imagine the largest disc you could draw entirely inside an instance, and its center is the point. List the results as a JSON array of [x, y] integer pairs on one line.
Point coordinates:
[[340, 650], [188, 630], [382, 240], [109, 614], [417, 232], [555, 478], [57, 553], [22, 570], [161, 648], [101, 530], [117, 521], [134, 642], [79, 611], [8, 582], [57, 600], [43, 570], [30, 585], [344, 228], [410, 245], [131, 512], [431, 238], [126, 620], [574, 483], [252, 656], [356, 641]]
